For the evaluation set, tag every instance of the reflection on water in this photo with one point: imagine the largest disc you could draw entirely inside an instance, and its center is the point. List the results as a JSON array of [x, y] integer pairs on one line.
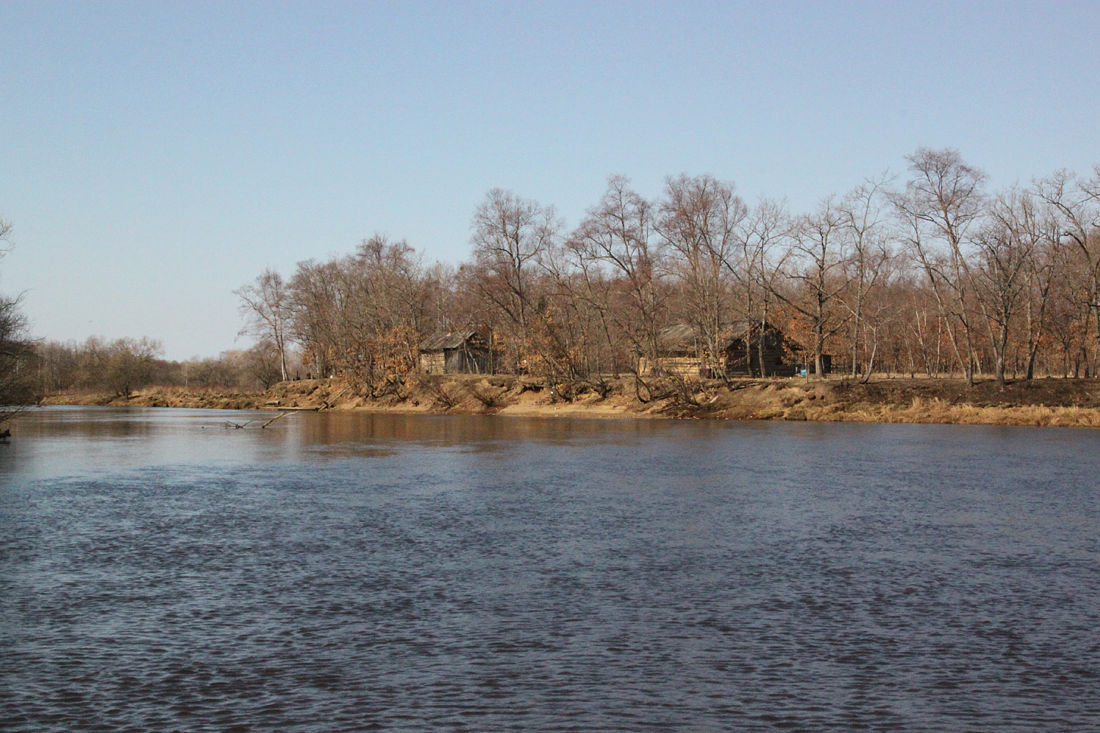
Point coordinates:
[[351, 432], [347, 571], [58, 440]]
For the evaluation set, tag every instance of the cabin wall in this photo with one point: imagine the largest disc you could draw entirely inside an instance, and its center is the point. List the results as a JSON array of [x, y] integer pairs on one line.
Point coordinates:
[[737, 365], [432, 363], [680, 366], [742, 363], [466, 361], [736, 360]]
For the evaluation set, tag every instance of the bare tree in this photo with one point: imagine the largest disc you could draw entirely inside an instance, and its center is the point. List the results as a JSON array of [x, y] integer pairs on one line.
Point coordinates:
[[1005, 246], [16, 346], [862, 223], [509, 233], [756, 272], [699, 222], [567, 318], [319, 312], [16, 355], [817, 270], [363, 315], [123, 365], [941, 202], [387, 302], [265, 304], [615, 245], [1077, 204]]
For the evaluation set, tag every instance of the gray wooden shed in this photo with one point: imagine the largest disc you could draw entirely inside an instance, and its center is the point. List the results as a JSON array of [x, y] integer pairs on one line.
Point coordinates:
[[455, 352]]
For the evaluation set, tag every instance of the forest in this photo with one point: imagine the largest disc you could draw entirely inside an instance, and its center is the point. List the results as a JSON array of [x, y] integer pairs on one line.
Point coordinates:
[[925, 274], [936, 276]]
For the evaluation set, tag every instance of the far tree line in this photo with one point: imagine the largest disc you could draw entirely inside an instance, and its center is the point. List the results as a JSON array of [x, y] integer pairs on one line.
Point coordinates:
[[31, 368], [122, 366], [934, 275]]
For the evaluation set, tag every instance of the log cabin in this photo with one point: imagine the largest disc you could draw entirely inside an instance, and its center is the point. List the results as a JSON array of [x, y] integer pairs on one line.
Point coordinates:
[[456, 352], [747, 350]]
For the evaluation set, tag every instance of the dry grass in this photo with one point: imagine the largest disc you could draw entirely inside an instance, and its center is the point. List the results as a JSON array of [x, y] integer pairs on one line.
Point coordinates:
[[938, 411], [1066, 403]]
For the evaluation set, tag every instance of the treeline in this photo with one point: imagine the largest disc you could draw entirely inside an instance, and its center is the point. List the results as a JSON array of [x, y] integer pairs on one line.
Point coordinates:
[[931, 275], [121, 366], [31, 369]]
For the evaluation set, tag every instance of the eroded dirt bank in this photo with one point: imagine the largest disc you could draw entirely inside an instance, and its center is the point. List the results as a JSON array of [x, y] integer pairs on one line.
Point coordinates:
[[1063, 402]]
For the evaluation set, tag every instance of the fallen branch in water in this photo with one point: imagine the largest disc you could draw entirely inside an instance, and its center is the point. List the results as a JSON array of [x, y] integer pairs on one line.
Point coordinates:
[[331, 401], [277, 417], [243, 425]]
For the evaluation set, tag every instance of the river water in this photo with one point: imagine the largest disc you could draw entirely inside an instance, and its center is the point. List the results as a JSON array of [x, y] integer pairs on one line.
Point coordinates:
[[161, 571]]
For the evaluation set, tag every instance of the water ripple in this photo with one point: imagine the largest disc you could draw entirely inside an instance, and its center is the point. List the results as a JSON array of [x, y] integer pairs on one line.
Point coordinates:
[[560, 590]]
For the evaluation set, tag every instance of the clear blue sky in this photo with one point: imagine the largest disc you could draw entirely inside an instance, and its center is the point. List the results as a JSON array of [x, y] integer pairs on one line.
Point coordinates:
[[156, 155]]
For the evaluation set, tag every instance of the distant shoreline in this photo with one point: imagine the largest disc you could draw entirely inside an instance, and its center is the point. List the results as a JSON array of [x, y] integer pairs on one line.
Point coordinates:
[[1040, 402]]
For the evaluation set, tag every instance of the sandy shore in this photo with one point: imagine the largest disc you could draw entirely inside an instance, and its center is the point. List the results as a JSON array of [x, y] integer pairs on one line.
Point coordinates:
[[1059, 402]]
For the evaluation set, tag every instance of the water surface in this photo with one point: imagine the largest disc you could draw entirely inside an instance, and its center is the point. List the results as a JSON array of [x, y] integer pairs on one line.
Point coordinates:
[[159, 570]]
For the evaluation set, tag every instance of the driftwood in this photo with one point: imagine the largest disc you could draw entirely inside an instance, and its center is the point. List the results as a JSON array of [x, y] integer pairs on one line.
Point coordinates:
[[242, 426], [277, 417], [331, 401]]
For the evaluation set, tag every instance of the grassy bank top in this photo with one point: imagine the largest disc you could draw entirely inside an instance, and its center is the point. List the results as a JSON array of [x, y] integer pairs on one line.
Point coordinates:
[[1061, 402]]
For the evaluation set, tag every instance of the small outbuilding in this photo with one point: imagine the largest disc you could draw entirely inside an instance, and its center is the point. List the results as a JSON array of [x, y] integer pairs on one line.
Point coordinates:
[[755, 350], [680, 352], [747, 349], [455, 352]]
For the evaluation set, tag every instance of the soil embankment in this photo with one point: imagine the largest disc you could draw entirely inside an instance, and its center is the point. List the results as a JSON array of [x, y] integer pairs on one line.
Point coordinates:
[[1062, 402]]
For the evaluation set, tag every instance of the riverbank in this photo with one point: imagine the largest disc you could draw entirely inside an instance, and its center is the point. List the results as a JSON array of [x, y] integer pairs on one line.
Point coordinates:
[[1059, 402]]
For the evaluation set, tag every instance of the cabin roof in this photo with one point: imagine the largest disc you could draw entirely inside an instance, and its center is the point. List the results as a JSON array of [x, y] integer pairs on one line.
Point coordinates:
[[683, 337], [445, 340]]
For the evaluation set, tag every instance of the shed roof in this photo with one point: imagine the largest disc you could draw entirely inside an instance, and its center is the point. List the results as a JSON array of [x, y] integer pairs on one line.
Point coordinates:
[[683, 337], [444, 340]]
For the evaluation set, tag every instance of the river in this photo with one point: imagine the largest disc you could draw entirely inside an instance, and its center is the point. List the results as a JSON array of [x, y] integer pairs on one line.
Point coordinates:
[[160, 570]]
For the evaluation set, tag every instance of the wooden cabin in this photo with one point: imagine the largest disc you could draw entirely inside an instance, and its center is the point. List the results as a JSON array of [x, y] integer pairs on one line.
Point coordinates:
[[744, 356], [682, 352], [455, 352]]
